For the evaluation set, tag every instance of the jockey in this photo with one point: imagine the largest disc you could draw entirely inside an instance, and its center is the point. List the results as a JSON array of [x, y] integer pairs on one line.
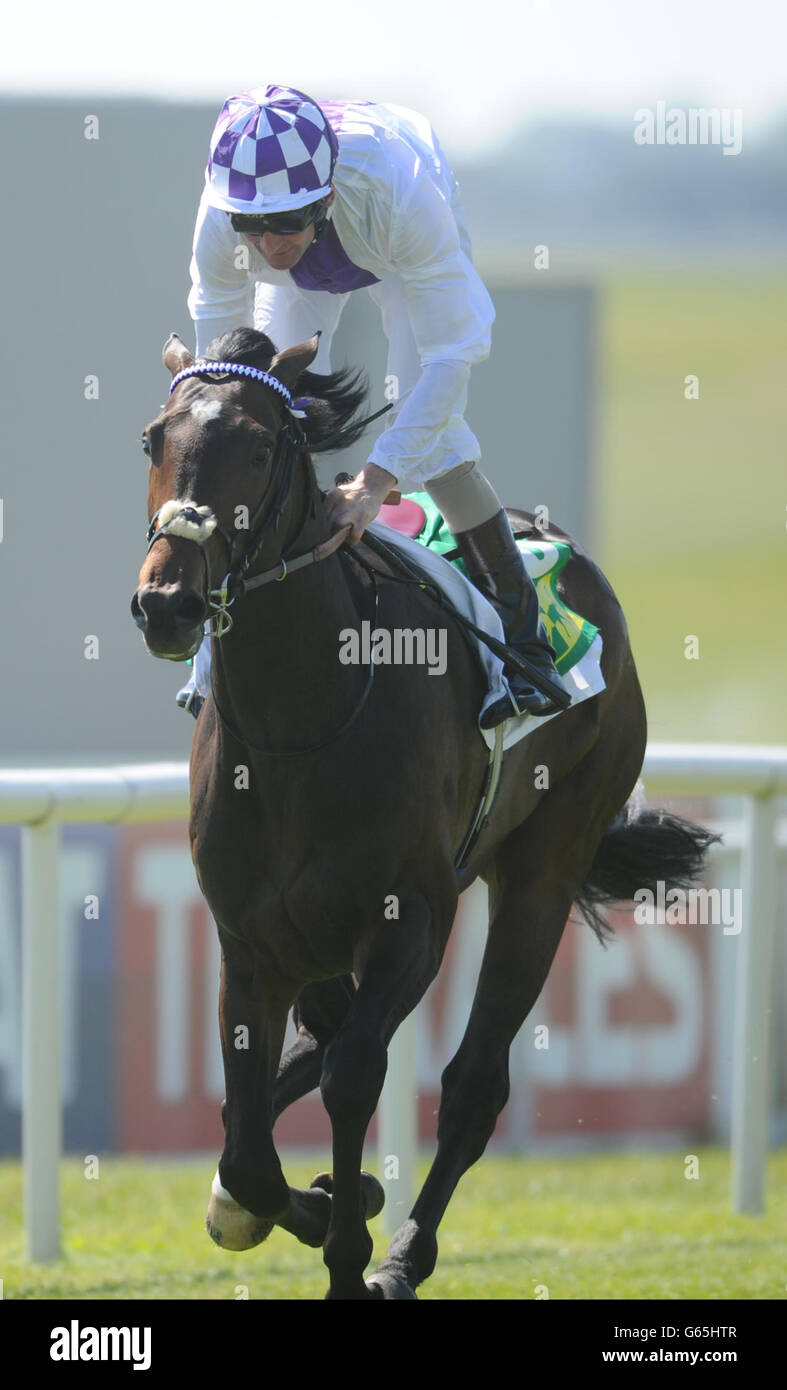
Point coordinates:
[[325, 200]]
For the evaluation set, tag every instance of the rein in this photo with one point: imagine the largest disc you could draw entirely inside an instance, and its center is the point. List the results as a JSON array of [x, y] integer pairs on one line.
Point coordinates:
[[355, 711]]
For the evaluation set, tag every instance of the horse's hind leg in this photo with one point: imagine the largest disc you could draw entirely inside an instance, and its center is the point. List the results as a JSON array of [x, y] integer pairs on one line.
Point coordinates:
[[319, 1012], [538, 872], [524, 936]]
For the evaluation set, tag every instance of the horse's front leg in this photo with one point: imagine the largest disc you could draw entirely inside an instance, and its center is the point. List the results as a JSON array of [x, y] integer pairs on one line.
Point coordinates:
[[401, 961], [250, 1194], [319, 1012]]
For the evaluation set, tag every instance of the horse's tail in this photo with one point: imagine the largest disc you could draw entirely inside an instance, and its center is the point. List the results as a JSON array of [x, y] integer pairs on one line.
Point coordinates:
[[637, 850]]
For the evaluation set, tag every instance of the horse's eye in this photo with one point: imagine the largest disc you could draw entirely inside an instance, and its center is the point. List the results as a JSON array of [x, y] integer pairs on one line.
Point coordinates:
[[145, 442], [262, 456]]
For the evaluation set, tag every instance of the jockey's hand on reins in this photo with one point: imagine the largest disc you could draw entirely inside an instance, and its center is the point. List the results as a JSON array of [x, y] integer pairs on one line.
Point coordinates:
[[357, 503]]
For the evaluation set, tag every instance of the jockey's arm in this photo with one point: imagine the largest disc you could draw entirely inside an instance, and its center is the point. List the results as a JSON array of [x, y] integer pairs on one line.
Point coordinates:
[[421, 419], [221, 295], [450, 314]]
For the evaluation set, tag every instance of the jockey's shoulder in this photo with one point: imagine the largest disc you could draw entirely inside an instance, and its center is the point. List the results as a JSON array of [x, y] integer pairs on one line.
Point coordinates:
[[384, 120], [383, 141]]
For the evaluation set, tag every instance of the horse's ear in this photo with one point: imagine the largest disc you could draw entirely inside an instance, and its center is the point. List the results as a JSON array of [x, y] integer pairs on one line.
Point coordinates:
[[175, 355], [287, 366]]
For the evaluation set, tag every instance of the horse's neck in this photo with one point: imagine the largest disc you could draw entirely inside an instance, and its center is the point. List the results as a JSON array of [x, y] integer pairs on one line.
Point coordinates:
[[277, 674]]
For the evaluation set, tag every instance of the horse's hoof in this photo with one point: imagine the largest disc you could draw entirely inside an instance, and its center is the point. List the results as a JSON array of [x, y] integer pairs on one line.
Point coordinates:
[[230, 1225], [373, 1194], [324, 1181], [385, 1284], [372, 1191]]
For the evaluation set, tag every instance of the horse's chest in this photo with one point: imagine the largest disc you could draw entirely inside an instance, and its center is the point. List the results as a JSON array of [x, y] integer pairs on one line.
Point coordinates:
[[305, 925], [304, 874]]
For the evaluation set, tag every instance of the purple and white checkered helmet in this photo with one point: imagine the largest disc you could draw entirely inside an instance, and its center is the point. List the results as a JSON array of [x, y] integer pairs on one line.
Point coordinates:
[[272, 150]]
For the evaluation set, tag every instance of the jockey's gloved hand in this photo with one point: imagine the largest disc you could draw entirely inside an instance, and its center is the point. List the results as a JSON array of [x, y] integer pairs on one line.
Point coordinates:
[[358, 502]]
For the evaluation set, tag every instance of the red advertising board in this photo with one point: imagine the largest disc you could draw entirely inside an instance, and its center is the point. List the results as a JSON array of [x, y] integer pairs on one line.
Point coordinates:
[[618, 1041]]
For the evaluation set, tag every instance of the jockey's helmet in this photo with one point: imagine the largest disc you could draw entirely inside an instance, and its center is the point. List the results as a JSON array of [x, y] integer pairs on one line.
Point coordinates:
[[272, 156]]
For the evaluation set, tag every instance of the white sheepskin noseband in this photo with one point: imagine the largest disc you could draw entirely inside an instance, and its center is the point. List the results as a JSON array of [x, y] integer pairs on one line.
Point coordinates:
[[186, 519]]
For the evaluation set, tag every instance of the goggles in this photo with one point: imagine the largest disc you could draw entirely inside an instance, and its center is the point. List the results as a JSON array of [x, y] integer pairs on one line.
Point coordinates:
[[280, 223]]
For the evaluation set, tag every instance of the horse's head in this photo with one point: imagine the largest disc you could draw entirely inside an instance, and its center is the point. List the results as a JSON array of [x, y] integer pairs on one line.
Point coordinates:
[[218, 480]]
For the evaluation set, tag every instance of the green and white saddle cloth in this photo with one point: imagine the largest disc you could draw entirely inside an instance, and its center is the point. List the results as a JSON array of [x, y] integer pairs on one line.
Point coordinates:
[[577, 643]]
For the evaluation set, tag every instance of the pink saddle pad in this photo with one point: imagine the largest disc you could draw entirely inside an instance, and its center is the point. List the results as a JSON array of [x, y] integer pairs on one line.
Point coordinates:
[[407, 518]]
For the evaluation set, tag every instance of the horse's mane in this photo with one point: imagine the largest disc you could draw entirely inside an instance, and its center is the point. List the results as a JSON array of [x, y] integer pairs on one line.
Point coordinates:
[[331, 400]]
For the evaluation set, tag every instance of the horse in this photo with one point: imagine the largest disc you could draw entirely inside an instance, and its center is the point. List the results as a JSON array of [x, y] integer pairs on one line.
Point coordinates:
[[328, 802]]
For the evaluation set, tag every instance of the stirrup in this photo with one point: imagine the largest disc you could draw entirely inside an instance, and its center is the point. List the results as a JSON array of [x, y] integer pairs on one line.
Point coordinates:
[[507, 708], [549, 686]]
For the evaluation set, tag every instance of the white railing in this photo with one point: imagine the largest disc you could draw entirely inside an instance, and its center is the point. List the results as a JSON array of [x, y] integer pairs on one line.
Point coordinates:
[[41, 800]]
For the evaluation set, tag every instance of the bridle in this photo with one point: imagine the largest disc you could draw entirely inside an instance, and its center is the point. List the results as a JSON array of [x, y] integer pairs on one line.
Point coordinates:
[[198, 524]]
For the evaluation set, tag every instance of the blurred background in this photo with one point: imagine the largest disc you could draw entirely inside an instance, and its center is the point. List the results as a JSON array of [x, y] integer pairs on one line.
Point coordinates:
[[636, 387]]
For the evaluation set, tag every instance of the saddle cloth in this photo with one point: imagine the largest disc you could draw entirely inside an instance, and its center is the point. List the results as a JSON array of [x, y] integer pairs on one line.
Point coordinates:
[[576, 642]]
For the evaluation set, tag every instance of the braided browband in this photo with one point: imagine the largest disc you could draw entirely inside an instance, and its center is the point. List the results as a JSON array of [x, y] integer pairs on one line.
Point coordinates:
[[239, 369]]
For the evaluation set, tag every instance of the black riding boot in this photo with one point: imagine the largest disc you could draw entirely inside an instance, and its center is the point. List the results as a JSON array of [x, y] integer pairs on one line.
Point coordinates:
[[498, 571]]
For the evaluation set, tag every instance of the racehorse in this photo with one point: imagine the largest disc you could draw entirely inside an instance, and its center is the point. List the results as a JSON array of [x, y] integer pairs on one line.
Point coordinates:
[[328, 802]]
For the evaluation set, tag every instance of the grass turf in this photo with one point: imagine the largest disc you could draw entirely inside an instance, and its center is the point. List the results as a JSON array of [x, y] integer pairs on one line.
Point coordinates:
[[691, 511], [625, 1226]]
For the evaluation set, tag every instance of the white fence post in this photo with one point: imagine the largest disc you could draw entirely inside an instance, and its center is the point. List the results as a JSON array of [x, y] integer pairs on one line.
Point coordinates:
[[397, 1119], [41, 1113], [753, 1007]]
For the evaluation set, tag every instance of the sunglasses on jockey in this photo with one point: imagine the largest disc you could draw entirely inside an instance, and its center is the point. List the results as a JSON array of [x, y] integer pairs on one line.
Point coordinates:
[[280, 223]]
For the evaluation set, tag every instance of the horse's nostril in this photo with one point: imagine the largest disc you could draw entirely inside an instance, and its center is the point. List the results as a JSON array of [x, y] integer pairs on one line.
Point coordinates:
[[137, 613], [191, 610], [167, 607]]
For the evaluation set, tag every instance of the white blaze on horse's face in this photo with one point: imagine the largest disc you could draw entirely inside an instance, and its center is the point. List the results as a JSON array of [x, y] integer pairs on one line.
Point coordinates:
[[171, 516], [206, 410]]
